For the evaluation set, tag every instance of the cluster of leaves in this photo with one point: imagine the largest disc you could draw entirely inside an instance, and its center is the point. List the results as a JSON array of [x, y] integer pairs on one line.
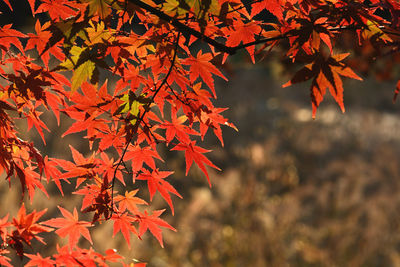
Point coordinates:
[[163, 96]]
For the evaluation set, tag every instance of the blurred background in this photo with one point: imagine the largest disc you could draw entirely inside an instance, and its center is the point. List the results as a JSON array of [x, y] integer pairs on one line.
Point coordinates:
[[292, 191]]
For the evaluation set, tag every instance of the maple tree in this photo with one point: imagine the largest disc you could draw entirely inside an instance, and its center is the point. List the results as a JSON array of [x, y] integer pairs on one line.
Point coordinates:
[[164, 95]]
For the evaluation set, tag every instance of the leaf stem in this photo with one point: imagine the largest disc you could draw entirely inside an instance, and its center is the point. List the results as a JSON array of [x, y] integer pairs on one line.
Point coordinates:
[[136, 126]]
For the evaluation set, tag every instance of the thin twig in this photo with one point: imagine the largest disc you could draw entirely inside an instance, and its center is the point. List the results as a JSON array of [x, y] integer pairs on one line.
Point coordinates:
[[184, 28], [136, 126]]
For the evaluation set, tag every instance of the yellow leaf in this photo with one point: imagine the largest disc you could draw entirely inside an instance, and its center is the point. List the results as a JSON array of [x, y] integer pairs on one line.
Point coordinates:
[[203, 8], [131, 106], [101, 8], [174, 7], [374, 31], [98, 33], [70, 62], [81, 74]]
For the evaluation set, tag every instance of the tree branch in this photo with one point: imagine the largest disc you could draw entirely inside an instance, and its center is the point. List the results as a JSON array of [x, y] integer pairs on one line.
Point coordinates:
[[184, 28], [140, 119], [220, 46]]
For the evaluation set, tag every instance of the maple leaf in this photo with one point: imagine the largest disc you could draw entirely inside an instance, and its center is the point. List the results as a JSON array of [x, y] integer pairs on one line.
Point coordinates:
[[79, 257], [39, 41], [212, 118], [90, 193], [102, 8], [38, 260], [123, 222], [34, 120], [10, 37], [200, 66], [83, 168], [155, 71], [202, 95], [58, 10], [326, 74], [130, 104], [242, 33], [107, 168], [28, 227], [3, 227], [82, 73], [273, 6], [307, 34], [129, 201], [51, 172], [156, 182], [195, 153], [97, 198], [177, 128], [153, 223], [32, 6], [112, 256], [32, 180], [111, 137], [29, 179], [141, 264], [53, 102], [140, 155], [82, 64], [70, 226], [3, 259]]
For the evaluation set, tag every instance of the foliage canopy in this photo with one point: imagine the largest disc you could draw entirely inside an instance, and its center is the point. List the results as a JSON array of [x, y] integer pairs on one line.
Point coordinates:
[[164, 56]]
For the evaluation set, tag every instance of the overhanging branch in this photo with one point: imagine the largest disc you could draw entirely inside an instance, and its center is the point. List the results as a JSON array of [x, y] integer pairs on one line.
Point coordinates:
[[217, 45], [184, 28]]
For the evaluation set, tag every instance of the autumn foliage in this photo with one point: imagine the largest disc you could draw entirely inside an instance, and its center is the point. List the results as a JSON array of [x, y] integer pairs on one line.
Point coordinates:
[[164, 56]]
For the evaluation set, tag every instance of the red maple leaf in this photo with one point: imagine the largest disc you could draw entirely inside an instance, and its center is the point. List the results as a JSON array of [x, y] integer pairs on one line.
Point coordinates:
[[70, 226], [112, 255], [39, 261], [272, 6], [195, 153], [106, 166], [83, 168], [3, 259], [3, 227], [9, 37], [325, 74], [32, 180], [129, 201], [140, 155], [242, 33], [123, 222], [153, 223], [39, 40], [27, 225], [51, 172], [200, 66], [177, 128], [27, 228], [156, 182], [211, 118], [396, 92], [62, 9]]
